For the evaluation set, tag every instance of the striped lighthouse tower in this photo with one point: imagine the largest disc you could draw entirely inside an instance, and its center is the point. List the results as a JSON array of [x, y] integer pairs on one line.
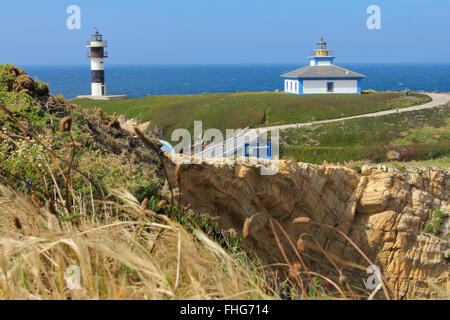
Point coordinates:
[[97, 54]]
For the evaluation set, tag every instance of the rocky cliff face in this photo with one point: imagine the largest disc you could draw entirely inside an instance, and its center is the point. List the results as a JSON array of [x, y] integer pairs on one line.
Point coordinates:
[[384, 210]]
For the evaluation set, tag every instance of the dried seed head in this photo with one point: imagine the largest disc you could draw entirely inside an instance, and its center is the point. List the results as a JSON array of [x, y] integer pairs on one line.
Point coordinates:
[[36, 201], [301, 245], [294, 269], [246, 229], [342, 279], [144, 204], [51, 208], [302, 220], [66, 124], [162, 204], [17, 223], [75, 144], [149, 144]]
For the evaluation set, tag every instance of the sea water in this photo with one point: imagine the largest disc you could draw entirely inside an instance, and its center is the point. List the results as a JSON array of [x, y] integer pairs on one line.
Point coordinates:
[[144, 80]]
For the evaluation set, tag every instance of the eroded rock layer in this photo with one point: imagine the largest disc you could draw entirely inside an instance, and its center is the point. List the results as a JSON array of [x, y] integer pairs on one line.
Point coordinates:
[[384, 210]]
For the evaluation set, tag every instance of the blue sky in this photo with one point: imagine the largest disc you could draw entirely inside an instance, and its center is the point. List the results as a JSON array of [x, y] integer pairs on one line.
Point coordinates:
[[225, 32]]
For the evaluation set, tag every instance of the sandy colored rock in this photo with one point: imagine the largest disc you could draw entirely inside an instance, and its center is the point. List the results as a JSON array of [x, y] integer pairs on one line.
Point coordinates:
[[129, 125], [383, 210]]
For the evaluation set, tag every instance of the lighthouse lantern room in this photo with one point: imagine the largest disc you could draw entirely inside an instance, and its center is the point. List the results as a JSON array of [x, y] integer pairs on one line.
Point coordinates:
[[322, 56], [322, 76], [97, 54]]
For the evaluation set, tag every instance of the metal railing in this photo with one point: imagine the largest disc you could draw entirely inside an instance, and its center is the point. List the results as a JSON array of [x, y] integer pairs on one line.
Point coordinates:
[[229, 147]]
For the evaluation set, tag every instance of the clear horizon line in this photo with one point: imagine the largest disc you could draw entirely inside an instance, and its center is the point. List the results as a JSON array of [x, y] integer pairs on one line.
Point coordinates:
[[230, 64]]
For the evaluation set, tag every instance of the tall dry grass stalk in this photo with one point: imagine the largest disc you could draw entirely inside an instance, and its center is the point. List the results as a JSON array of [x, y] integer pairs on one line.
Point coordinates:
[[113, 256], [307, 287]]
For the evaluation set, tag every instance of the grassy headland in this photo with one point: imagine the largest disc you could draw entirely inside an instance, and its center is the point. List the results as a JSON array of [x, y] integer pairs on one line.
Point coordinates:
[[240, 110], [413, 136]]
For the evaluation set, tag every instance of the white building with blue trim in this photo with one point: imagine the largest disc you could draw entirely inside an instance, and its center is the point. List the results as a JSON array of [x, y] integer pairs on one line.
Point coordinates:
[[322, 76]]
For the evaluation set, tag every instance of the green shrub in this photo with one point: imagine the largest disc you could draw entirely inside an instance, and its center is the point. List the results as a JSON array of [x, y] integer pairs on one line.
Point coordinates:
[[429, 228], [435, 226]]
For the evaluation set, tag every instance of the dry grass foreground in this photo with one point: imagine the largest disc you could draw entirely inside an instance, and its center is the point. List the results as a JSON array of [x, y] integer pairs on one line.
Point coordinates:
[[118, 258], [59, 167]]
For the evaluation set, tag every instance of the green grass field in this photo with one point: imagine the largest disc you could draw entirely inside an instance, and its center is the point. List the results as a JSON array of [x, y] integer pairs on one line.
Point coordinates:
[[422, 137], [241, 110]]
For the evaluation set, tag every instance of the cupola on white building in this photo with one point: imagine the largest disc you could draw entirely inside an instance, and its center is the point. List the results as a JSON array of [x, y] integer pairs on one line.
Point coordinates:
[[322, 76]]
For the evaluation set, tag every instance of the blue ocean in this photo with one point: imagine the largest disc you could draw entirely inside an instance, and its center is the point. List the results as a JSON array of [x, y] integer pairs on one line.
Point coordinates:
[[144, 80]]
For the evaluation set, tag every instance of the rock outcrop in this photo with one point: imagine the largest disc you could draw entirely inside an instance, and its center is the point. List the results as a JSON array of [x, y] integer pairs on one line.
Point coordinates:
[[129, 124], [384, 210]]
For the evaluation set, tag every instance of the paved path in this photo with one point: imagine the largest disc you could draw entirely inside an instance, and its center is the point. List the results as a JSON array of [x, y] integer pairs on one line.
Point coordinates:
[[439, 99]]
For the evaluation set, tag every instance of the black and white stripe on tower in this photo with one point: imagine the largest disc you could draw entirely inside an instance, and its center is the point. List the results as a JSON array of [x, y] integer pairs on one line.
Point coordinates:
[[97, 54]]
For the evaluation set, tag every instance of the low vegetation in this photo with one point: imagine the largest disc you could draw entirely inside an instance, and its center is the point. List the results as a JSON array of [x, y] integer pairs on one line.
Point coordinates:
[[420, 136], [241, 110], [435, 226]]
